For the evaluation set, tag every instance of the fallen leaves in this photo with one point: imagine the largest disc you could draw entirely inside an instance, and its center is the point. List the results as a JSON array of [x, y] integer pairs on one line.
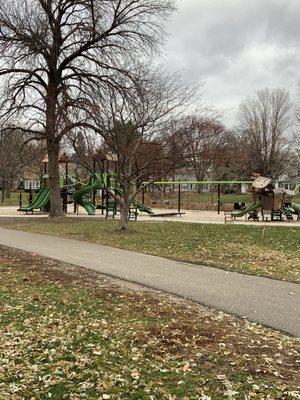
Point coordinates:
[[86, 339], [135, 375]]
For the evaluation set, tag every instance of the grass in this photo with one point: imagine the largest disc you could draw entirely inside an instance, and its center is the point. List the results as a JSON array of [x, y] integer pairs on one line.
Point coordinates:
[[265, 251], [14, 199], [67, 333]]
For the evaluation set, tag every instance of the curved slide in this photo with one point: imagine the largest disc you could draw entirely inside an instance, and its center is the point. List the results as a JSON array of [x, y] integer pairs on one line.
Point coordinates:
[[142, 207], [297, 188], [41, 200], [98, 182], [250, 209], [78, 196], [294, 209], [139, 205]]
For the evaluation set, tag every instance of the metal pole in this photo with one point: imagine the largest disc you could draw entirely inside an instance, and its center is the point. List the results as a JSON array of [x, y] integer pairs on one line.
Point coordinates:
[[107, 195], [65, 201], [179, 197], [94, 191], [20, 200], [102, 201], [219, 198], [30, 194], [67, 172], [143, 195]]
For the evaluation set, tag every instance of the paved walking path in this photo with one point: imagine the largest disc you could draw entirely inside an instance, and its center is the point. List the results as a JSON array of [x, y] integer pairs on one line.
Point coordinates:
[[269, 302]]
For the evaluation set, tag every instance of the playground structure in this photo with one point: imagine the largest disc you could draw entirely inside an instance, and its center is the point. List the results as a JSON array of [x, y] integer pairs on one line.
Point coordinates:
[[180, 194], [275, 204], [83, 193], [98, 181], [104, 181]]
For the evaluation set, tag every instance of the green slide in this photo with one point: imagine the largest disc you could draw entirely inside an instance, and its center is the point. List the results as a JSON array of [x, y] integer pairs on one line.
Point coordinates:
[[41, 200], [241, 213], [297, 188], [139, 205], [294, 209], [79, 195], [98, 181]]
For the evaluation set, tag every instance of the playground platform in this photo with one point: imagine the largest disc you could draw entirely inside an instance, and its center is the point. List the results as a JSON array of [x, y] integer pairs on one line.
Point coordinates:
[[189, 216]]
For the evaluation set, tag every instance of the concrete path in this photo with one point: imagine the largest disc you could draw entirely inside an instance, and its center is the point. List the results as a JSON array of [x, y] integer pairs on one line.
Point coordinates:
[[269, 302]]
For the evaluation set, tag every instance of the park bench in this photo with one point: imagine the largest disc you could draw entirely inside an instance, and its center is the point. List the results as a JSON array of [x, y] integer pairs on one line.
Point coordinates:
[[111, 209]]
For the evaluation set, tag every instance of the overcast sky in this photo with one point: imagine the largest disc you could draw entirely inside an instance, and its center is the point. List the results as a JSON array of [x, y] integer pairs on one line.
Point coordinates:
[[236, 47]]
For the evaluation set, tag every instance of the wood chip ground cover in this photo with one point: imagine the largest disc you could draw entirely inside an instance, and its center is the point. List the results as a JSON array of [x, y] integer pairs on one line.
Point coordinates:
[[68, 333], [265, 251]]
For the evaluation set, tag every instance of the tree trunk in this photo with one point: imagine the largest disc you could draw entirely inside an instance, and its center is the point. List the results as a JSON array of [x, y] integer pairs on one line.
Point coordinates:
[[3, 191], [124, 216], [125, 208], [199, 178], [8, 190], [56, 208]]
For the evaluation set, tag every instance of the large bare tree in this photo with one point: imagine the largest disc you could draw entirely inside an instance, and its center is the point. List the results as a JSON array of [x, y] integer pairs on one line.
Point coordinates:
[[136, 128], [54, 51], [265, 121], [203, 141]]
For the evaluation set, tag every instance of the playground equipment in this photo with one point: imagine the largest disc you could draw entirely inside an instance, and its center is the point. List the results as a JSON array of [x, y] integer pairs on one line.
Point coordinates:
[[297, 188], [273, 202], [41, 200], [252, 210], [97, 181], [180, 191], [103, 181]]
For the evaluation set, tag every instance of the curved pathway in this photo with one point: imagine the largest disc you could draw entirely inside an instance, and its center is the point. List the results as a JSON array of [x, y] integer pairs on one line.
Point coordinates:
[[266, 301]]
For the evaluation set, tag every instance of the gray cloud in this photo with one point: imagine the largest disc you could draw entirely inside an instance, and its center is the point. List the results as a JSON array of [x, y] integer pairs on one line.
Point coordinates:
[[236, 47]]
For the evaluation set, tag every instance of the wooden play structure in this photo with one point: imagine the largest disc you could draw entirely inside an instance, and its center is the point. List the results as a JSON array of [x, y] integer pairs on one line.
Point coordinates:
[[275, 204]]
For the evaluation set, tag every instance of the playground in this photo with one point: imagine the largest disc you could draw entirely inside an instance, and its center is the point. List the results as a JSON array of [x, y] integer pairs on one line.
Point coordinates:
[[100, 195], [166, 219], [90, 265], [189, 216], [150, 204]]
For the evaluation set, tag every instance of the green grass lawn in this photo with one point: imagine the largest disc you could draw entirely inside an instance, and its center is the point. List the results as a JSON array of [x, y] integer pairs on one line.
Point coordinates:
[[266, 251], [67, 333]]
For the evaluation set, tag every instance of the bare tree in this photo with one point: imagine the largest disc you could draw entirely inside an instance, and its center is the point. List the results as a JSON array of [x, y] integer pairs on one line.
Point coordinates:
[[203, 141], [15, 157], [53, 51], [265, 121], [136, 127], [229, 162]]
